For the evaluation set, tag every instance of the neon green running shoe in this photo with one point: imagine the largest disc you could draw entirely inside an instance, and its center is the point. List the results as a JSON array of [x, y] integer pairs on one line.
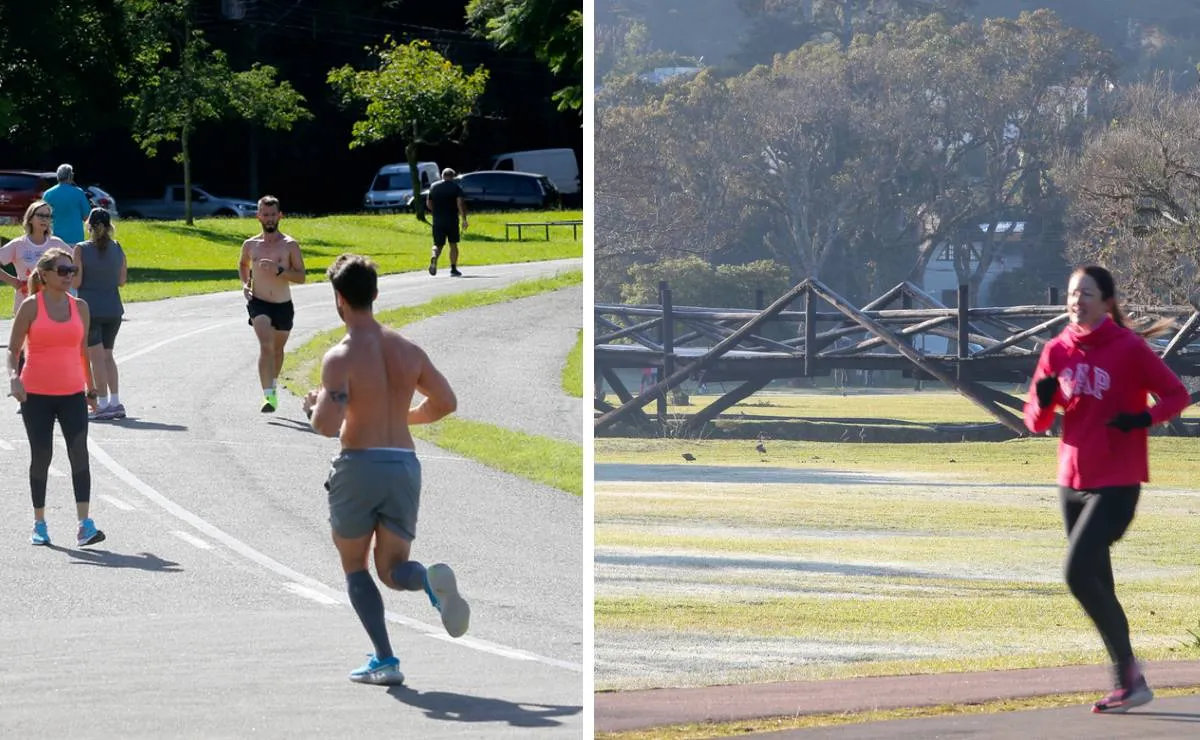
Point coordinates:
[[270, 402]]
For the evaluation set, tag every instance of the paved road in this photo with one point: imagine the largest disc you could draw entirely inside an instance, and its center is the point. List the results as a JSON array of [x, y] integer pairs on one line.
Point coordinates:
[[630, 710], [216, 608]]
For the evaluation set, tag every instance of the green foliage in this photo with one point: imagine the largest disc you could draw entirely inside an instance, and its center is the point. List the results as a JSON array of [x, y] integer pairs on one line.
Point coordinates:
[[694, 282], [551, 29], [261, 99], [415, 94]]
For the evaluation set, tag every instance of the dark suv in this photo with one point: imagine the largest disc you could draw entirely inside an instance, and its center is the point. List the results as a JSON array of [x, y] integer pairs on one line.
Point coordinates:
[[491, 190], [19, 188]]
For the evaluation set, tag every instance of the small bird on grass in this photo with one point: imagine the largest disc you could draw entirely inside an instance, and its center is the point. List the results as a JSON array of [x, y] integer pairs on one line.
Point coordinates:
[[689, 456], [761, 448]]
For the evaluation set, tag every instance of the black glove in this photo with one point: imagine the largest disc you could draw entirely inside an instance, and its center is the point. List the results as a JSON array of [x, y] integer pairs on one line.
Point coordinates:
[[1045, 390], [1125, 422]]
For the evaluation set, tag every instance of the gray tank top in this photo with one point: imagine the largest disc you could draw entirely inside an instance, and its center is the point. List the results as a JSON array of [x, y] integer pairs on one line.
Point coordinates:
[[101, 271]]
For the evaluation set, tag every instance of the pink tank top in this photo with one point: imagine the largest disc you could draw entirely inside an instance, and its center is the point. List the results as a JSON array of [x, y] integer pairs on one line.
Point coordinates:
[[53, 354]]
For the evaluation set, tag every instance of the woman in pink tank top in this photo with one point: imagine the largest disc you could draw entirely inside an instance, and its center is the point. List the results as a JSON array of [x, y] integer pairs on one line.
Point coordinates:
[[55, 384]]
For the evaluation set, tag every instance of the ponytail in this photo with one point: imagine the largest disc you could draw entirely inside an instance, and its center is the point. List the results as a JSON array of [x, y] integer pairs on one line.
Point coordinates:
[[35, 282]]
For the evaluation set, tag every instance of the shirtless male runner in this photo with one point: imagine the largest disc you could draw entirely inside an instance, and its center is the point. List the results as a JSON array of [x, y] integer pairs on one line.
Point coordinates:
[[270, 261], [367, 385]]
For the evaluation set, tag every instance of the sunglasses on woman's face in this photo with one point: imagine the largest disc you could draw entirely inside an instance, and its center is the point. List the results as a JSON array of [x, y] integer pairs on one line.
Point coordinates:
[[66, 270]]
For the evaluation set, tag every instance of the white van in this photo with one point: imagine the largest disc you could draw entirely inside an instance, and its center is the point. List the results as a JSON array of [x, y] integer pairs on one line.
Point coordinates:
[[391, 190], [557, 164]]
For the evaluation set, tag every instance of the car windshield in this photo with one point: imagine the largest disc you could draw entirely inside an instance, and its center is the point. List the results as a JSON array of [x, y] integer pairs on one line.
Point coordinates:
[[393, 181]]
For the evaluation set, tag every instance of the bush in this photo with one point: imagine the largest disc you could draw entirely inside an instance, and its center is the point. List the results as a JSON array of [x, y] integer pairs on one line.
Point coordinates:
[[694, 282]]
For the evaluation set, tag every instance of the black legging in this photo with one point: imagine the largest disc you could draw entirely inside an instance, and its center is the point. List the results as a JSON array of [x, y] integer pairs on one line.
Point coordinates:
[[39, 413], [1095, 520]]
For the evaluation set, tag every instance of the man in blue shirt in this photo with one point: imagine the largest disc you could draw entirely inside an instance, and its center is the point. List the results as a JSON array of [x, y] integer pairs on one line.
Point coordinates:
[[70, 204]]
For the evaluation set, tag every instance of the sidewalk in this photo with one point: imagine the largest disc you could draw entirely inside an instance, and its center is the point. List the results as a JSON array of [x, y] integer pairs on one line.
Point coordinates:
[[633, 710]]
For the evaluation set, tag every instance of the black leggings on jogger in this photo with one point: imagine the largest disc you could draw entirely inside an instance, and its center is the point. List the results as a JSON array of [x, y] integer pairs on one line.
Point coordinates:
[[1095, 520], [39, 413]]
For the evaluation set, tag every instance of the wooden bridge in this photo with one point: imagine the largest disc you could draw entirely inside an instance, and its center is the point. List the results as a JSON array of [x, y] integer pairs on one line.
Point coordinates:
[[756, 346]]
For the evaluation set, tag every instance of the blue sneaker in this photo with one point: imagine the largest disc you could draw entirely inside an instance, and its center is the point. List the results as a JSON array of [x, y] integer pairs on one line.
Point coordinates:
[[41, 535], [88, 534], [442, 589], [379, 672]]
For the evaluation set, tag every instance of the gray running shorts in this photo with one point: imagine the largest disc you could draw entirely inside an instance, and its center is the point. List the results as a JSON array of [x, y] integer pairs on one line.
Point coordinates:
[[368, 487]]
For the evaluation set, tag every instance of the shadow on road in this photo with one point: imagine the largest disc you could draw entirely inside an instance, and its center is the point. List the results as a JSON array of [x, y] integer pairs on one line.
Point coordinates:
[[108, 559], [294, 424], [464, 708], [130, 422]]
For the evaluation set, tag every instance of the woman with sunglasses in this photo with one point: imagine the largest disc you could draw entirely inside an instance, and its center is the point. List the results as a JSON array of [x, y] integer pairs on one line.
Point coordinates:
[[53, 325], [24, 251]]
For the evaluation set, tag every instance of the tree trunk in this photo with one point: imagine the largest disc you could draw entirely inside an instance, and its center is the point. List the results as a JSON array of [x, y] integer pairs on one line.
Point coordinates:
[[254, 192], [410, 151], [187, 177]]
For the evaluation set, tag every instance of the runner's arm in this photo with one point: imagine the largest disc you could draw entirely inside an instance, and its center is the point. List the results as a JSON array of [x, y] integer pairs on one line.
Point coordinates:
[[439, 398], [294, 269], [329, 411], [123, 275], [16, 340], [77, 258], [244, 269], [7, 257], [85, 315]]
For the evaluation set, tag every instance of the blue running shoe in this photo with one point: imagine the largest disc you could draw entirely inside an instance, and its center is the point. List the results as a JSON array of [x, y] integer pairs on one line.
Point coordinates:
[[379, 672], [442, 588], [88, 534], [41, 535]]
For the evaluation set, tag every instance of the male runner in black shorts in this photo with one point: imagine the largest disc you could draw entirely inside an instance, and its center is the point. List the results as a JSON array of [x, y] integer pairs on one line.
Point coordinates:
[[270, 262], [445, 202]]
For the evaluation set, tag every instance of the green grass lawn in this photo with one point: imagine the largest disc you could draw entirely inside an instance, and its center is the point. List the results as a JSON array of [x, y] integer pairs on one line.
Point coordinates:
[[168, 259], [572, 374], [549, 461], [912, 557]]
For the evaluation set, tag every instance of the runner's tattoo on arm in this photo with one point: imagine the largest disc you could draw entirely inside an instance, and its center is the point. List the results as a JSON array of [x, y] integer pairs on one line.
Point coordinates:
[[338, 396]]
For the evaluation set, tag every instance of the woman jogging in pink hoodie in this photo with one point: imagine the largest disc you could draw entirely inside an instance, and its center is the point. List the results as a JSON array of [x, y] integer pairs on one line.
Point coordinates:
[[1099, 372]]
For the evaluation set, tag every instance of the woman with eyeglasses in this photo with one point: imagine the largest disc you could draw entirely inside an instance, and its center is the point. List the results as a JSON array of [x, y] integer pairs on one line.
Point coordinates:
[[24, 251], [56, 384]]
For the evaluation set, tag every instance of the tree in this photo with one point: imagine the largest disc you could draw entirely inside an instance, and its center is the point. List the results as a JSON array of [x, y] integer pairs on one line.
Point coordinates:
[[264, 102], [1135, 195], [177, 82], [551, 29], [416, 94]]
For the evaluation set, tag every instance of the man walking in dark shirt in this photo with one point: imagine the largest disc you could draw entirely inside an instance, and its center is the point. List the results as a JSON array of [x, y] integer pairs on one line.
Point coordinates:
[[445, 202]]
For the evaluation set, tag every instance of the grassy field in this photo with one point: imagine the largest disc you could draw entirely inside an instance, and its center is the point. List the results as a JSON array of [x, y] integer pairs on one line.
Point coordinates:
[[572, 375], [549, 461], [818, 560], [171, 259]]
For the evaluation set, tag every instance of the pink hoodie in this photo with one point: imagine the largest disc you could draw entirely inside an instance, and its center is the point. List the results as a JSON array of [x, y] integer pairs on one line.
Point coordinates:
[[1101, 374]]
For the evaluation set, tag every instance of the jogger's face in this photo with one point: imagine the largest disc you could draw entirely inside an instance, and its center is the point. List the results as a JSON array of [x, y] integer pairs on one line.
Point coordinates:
[[1084, 304]]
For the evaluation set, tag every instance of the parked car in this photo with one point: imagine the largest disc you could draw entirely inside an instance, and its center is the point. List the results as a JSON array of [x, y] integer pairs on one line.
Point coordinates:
[[204, 205], [559, 165], [101, 199], [392, 190], [491, 190], [19, 188]]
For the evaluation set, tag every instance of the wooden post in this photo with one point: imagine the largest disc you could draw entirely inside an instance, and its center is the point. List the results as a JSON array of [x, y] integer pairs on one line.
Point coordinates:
[[758, 299], [964, 328], [665, 331], [709, 357], [810, 334], [1051, 295], [841, 304]]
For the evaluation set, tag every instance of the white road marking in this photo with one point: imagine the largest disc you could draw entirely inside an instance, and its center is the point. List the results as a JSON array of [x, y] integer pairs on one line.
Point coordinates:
[[171, 340], [6, 446], [192, 539], [117, 503], [280, 569], [308, 593]]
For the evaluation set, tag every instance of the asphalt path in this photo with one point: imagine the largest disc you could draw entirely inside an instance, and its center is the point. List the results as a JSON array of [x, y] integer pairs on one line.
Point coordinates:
[[217, 608]]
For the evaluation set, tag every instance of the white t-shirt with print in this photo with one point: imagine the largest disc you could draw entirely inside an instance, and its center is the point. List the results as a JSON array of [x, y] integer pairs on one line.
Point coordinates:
[[23, 255]]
